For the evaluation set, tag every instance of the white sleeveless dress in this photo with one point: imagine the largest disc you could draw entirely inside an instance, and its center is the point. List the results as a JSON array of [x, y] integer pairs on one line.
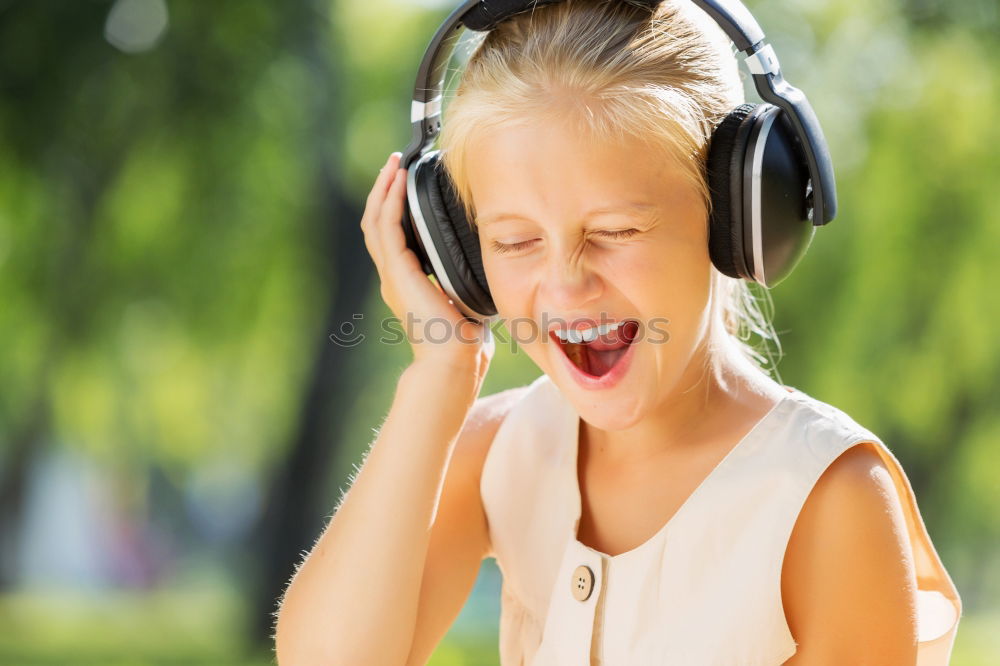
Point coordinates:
[[706, 589]]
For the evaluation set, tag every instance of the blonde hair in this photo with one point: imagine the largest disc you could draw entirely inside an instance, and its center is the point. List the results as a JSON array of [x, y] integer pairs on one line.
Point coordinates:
[[616, 70]]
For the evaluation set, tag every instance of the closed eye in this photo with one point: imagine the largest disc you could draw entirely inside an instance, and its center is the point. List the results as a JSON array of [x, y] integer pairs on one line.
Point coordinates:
[[619, 234], [504, 248]]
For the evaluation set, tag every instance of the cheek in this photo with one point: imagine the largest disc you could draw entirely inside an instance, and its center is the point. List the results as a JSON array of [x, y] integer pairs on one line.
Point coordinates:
[[660, 268], [513, 285], [669, 279], [509, 287], [637, 272]]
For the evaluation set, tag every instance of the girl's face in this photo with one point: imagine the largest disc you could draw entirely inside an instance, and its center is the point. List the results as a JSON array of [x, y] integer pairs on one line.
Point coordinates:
[[571, 228]]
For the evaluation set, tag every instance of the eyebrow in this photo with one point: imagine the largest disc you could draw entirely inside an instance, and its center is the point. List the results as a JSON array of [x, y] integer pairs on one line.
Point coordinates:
[[630, 207]]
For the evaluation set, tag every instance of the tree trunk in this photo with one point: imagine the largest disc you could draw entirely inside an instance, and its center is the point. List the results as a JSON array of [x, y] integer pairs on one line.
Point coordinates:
[[293, 514]]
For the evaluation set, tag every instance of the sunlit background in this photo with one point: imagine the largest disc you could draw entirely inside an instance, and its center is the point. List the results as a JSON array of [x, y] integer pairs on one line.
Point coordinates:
[[180, 187]]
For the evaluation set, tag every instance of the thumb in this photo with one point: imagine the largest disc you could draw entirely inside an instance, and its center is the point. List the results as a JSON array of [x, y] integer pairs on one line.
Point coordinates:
[[489, 345], [476, 331]]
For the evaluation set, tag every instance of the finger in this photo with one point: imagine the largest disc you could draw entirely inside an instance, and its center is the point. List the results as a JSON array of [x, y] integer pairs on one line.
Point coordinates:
[[385, 176], [390, 229], [393, 236], [371, 245], [376, 196], [372, 242], [392, 241], [489, 343], [374, 205]]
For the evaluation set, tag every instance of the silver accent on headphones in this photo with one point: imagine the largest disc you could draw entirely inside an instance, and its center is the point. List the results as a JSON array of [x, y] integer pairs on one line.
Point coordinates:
[[423, 110], [755, 213], [764, 61], [809, 191]]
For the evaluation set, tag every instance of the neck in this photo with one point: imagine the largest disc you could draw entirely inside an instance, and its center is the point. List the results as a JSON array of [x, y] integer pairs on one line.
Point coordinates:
[[718, 394]]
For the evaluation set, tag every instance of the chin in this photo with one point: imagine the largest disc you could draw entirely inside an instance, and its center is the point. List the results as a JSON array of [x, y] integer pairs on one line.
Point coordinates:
[[609, 416], [617, 409]]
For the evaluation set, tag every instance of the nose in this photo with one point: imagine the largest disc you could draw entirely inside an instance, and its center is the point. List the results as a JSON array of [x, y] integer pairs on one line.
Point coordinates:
[[570, 285]]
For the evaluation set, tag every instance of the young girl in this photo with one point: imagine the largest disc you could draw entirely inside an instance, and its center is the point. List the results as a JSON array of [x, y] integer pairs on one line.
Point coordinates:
[[654, 497]]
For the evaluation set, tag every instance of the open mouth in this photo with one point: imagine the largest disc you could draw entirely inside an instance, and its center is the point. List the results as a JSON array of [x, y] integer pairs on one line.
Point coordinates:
[[597, 357]]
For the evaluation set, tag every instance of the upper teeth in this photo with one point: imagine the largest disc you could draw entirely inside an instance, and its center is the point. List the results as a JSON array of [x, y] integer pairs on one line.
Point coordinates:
[[586, 334]]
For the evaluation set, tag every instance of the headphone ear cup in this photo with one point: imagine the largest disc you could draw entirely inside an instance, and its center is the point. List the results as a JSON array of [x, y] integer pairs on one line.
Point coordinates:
[[759, 226], [726, 157], [777, 228], [454, 242]]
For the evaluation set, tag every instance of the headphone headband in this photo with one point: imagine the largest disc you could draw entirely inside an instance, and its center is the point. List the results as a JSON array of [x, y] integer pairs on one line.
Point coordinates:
[[731, 15]]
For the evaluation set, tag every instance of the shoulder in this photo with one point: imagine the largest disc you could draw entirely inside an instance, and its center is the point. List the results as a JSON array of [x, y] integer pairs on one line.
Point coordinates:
[[489, 411], [484, 419], [460, 517], [856, 481], [849, 567], [480, 427]]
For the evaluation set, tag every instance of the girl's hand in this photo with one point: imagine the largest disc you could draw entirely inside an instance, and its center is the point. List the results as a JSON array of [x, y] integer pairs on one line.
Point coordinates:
[[422, 306]]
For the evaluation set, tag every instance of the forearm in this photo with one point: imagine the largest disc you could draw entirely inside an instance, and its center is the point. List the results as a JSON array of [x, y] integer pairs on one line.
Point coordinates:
[[354, 599]]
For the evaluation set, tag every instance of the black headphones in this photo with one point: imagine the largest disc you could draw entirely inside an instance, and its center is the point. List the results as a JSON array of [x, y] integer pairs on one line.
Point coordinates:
[[769, 168]]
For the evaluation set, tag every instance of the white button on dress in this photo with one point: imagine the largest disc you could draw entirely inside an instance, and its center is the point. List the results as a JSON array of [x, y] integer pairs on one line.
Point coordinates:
[[705, 590]]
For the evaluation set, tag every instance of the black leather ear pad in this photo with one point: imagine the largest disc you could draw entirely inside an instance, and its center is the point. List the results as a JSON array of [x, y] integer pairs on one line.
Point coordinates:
[[456, 242], [726, 157]]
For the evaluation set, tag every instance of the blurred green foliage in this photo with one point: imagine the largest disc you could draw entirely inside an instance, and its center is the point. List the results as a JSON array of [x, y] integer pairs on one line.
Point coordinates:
[[162, 275]]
